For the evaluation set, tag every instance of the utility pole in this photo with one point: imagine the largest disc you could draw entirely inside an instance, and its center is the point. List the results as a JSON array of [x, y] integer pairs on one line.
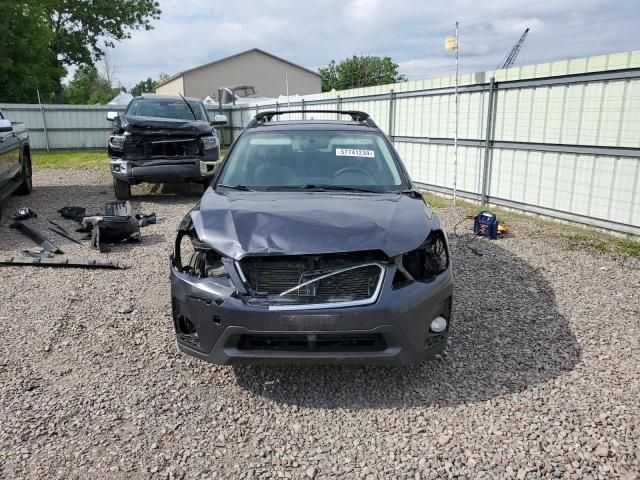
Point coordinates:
[[455, 137]]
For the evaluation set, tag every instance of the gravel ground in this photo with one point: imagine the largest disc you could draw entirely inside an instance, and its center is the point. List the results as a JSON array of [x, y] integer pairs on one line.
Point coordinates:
[[541, 377]]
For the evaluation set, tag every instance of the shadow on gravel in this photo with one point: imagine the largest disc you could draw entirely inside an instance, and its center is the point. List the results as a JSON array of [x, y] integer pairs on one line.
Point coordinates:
[[507, 335]]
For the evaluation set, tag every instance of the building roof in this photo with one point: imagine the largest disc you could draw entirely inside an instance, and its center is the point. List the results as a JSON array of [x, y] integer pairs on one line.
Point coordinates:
[[179, 74]]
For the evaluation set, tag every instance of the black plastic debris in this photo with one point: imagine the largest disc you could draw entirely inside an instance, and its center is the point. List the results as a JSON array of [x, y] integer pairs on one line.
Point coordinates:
[[73, 213], [109, 230], [144, 220], [44, 261], [23, 213], [118, 224], [36, 236]]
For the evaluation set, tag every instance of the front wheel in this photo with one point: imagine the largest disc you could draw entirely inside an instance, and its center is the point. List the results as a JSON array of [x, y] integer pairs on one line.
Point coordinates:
[[122, 189], [26, 186]]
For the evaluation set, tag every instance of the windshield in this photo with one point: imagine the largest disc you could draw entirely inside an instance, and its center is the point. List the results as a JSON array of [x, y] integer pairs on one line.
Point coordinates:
[[166, 108], [307, 158]]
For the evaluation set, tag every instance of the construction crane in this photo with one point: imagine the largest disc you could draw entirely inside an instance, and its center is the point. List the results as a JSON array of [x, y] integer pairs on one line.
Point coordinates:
[[513, 54]]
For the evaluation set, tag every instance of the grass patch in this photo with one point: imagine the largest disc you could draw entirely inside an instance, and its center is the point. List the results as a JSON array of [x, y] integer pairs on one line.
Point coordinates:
[[75, 158], [69, 159]]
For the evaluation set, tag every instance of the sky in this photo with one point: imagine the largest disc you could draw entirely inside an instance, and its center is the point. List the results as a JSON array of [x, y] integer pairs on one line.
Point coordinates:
[[411, 32]]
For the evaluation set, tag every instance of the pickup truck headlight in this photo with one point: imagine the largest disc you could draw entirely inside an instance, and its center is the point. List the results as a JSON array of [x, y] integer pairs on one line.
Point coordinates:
[[117, 141], [424, 263], [209, 142]]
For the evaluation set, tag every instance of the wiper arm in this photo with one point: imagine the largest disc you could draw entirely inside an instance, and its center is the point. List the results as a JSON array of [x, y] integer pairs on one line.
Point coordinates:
[[321, 186], [410, 192], [242, 188], [185, 101]]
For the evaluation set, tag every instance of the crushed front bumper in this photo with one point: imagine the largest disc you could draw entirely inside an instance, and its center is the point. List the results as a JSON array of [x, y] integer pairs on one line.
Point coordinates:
[[223, 329], [190, 169]]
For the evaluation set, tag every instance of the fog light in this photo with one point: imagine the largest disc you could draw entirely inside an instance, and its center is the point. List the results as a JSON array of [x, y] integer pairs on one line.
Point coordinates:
[[438, 324], [203, 168]]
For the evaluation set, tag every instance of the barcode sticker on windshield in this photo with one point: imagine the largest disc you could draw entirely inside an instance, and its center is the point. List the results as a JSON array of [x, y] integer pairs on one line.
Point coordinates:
[[354, 152]]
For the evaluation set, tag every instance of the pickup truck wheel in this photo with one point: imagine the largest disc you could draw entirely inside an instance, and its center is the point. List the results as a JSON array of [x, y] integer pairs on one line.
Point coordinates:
[[26, 187], [122, 189]]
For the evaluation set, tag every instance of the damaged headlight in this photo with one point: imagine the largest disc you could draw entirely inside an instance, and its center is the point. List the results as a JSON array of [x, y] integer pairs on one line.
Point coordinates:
[[209, 142], [117, 141], [194, 257], [424, 263]]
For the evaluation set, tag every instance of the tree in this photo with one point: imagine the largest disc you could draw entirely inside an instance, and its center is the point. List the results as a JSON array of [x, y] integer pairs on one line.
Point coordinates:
[[40, 38], [88, 86], [359, 71], [27, 63], [143, 86], [82, 29]]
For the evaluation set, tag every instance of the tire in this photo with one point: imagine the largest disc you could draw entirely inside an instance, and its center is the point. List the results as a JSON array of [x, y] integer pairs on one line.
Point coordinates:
[[121, 189], [26, 187]]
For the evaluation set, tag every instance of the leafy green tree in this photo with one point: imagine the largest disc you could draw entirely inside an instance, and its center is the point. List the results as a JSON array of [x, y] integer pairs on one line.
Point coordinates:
[[82, 29], [359, 71], [27, 62], [143, 86], [40, 38], [89, 87]]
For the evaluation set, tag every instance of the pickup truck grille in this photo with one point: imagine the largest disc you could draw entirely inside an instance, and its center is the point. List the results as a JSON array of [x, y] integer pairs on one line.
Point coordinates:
[[163, 147]]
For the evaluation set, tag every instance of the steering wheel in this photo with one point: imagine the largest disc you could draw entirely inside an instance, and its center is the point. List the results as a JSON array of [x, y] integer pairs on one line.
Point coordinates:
[[344, 170]]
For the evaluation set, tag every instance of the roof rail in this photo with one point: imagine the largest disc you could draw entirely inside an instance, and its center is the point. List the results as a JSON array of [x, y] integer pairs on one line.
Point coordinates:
[[356, 116]]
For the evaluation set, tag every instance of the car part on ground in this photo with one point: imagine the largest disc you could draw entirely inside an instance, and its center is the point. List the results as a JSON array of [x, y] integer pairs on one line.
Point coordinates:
[[65, 234], [44, 261], [116, 225], [109, 230], [36, 236], [24, 213], [145, 220], [312, 246], [73, 213], [162, 139], [118, 209]]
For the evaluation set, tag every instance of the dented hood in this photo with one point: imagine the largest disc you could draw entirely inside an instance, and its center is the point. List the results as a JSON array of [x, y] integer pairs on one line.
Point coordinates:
[[155, 125], [237, 224]]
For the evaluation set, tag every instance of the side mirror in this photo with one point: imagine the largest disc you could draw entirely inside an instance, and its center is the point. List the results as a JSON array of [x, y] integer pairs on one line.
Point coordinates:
[[5, 125], [111, 116], [219, 120]]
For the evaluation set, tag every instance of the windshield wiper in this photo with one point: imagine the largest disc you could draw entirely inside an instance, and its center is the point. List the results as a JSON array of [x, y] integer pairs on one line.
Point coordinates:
[[192, 112], [242, 188], [322, 186], [410, 192]]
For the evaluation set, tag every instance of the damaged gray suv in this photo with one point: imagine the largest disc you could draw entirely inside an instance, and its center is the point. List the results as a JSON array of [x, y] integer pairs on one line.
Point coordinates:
[[311, 245]]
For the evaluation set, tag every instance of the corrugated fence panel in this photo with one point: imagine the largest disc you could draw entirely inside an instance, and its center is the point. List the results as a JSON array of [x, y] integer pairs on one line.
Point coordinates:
[[564, 137]]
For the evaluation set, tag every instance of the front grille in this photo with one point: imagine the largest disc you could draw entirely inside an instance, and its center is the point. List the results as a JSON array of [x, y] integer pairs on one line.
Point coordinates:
[[340, 283], [329, 343], [159, 147]]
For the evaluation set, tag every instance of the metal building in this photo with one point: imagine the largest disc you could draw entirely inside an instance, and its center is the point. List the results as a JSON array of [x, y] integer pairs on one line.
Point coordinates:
[[262, 70]]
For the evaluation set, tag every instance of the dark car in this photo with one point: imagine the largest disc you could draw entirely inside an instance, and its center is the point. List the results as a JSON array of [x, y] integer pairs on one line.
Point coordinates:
[[15, 159], [162, 139], [311, 245]]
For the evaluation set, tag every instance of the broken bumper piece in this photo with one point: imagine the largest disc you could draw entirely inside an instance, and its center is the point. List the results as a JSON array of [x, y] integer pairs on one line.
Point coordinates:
[[217, 323], [62, 262]]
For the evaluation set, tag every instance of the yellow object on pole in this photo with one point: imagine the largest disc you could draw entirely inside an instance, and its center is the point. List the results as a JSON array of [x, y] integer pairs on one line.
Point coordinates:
[[450, 43]]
